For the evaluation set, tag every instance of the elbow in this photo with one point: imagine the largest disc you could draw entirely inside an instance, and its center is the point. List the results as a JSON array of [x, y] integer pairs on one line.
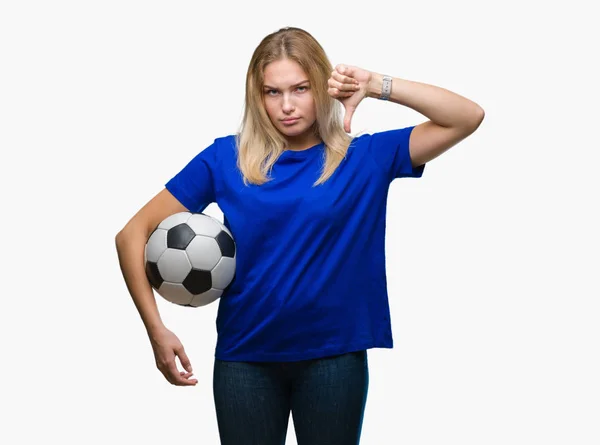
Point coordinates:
[[474, 120], [119, 237], [479, 115], [122, 235], [132, 230]]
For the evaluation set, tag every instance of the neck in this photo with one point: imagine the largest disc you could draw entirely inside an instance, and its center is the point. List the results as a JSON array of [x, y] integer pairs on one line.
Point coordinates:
[[302, 142]]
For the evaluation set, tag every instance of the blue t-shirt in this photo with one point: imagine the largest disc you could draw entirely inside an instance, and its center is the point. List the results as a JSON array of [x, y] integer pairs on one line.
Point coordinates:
[[310, 275]]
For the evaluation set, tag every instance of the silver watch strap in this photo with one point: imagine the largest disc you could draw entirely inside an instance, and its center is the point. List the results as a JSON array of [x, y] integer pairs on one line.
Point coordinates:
[[386, 88]]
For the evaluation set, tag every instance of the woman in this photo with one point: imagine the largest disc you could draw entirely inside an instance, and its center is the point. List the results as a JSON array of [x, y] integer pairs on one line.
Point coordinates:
[[306, 204]]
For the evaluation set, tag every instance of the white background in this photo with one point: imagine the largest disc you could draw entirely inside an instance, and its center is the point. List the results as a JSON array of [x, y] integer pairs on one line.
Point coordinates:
[[492, 254]]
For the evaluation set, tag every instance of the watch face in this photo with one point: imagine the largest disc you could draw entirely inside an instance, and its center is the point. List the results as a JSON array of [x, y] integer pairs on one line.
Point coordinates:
[[386, 88]]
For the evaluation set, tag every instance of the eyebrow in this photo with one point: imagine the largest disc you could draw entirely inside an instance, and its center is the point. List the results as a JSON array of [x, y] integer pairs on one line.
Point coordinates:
[[295, 85]]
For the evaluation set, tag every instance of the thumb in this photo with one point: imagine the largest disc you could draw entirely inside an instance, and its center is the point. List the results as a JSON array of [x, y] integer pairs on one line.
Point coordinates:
[[185, 361], [348, 118]]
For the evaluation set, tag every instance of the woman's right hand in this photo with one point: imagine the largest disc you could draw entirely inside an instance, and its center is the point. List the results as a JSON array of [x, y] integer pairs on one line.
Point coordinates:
[[166, 346]]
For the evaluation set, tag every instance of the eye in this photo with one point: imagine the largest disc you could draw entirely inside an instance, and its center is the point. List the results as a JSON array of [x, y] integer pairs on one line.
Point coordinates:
[[302, 90]]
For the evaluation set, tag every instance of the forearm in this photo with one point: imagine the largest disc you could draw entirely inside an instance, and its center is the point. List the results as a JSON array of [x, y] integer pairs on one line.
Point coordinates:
[[130, 249], [441, 106]]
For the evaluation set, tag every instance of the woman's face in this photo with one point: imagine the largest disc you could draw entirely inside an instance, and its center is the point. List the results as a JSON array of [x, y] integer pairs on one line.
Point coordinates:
[[287, 94]]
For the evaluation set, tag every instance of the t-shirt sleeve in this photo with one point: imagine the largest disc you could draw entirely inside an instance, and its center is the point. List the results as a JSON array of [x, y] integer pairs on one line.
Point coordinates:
[[390, 151], [194, 185]]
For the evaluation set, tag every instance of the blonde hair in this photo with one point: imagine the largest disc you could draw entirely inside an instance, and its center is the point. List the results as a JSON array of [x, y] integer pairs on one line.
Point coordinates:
[[259, 142]]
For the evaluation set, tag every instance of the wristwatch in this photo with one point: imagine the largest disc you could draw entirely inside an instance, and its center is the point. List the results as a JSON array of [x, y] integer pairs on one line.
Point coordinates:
[[386, 88]]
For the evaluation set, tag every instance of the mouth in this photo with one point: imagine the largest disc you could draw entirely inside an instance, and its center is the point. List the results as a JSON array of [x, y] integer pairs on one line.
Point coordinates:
[[290, 120]]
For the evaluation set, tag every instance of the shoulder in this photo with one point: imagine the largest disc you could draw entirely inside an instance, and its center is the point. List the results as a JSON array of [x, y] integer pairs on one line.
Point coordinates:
[[225, 144], [393, 136], [220, 147], [387, 144], [227, 139], [384, 137]]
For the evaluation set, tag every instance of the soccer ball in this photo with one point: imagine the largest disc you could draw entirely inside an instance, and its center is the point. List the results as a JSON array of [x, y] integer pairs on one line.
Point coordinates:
[[190, 259]]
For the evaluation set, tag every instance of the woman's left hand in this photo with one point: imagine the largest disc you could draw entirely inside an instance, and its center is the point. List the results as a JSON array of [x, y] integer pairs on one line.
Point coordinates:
[[348, 84]]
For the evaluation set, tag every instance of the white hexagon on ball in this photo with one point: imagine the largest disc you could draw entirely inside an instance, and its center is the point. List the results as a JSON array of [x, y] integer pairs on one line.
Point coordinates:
[[174, 265], [203, 252], [223, 273], [174, 220], [176, 293], [203, 224]]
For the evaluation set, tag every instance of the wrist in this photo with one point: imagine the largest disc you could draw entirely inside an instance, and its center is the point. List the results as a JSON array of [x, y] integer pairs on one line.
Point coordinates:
[[375, 85], [155, 328]]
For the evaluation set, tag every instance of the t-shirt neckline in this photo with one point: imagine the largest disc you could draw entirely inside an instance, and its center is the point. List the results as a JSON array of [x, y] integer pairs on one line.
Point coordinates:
[[302, 153]]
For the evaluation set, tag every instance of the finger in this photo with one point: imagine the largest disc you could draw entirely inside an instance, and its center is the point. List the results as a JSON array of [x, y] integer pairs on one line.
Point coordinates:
[[183, 358], [337, 93], [343, 78], [176, 379], [343, 86], [186, 376]]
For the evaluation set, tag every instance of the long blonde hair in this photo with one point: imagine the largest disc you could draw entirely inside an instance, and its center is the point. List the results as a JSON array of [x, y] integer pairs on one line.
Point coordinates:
[[259, 143]]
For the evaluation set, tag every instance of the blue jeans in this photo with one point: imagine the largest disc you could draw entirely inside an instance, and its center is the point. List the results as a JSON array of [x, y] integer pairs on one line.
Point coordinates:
[[326, 396]]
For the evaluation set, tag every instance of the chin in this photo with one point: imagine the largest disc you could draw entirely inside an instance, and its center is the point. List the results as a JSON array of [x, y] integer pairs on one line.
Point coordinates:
[[293, 131]]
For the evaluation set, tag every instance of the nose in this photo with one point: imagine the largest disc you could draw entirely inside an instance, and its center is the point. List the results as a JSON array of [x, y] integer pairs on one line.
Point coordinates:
[[288, 105]]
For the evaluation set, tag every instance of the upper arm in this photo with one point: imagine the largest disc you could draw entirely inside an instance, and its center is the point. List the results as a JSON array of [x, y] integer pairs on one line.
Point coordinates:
[[429, 140], [162, 205]]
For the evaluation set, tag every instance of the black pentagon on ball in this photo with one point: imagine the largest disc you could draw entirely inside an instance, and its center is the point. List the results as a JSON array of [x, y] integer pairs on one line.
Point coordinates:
[[180, 236], [226, 244], [153, 274], [198, 281]]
